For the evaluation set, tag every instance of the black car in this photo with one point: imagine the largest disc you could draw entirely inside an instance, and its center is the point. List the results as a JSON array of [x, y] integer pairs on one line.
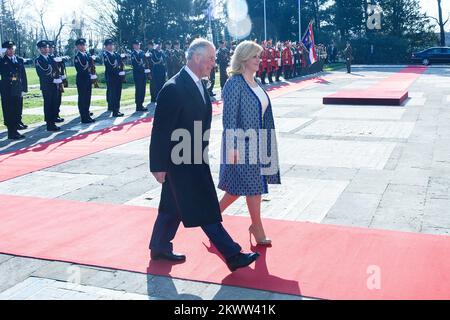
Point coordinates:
[[432, 55]]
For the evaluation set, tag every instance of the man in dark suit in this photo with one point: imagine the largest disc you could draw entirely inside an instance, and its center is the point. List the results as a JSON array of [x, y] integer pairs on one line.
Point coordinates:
[[82, 62], [139, 75], [13, 85], [113, 75], [188, 192], [49, 85]]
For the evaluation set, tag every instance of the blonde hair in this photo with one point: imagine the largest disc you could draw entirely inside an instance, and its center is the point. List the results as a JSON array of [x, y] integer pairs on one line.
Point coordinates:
[[244, 52]]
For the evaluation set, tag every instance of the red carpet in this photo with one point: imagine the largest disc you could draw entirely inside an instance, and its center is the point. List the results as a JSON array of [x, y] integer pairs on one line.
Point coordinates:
[[312, 260], [49, 154], [392, 91], [46, 155]]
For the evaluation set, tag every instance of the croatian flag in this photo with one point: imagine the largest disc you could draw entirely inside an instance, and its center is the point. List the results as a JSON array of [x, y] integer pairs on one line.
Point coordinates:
[[308, 41]]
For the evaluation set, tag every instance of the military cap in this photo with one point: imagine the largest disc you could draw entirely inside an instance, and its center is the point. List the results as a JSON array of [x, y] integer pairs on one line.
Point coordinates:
[[8, 45], [167, 43], [42, 44], [176, 43], [150, 43], [51, 44], [108, 42], [136, 42], [80, 41]]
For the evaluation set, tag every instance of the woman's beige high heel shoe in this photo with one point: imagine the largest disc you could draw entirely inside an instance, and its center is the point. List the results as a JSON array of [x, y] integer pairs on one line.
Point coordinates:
[[261, 242]]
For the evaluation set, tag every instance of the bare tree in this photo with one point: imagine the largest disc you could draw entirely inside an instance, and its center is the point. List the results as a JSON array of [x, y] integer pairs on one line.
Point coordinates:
[[441, 23]]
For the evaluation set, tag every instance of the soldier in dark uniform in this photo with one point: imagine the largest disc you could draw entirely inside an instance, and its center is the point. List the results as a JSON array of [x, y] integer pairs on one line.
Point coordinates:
[[48, 84], [82, 63], [158, 71], [113, 75], [178, 60], [139, 75], [348, 54], [13, 85], [59, 63], [223, 60], [149, 55]]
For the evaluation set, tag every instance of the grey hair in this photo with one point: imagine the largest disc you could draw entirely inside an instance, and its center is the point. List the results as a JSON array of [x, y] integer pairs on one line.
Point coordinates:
[[199, 46]]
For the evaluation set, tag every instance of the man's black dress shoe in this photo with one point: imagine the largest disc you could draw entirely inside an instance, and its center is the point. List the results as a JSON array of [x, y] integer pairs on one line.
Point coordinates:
[[118, 114], [241, 260], [15, 136], [59, 120], [91, 114], [22, 126], [141, 109], [169, 256], [53, 128], [87, 121]]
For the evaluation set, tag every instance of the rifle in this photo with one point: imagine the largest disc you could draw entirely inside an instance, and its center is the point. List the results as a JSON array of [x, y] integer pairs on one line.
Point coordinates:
[[148, 65], [57, 75], [93, 69], [123, 58]]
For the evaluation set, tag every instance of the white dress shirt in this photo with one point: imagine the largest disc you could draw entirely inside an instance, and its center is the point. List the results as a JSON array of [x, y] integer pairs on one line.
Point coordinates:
[[197, 81]]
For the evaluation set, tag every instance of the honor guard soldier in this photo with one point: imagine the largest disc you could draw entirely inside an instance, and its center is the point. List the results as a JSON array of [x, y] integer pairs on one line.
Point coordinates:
[[82, 62], [178, 60], [270, 61], [148, 56], [139, 75], [287, 60], [223, 60], [49, 84], [168, 57], [113, 75], [58, 65], [263, 65], [348, 54], [277, 61], [158, 71], [13, 85]]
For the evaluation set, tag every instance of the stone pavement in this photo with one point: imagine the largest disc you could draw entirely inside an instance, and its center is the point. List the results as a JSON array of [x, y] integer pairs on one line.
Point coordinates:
[[376, 167]]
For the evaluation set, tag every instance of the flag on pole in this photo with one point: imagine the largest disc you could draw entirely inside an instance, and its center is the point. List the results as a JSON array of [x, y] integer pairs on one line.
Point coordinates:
[[308, 41]]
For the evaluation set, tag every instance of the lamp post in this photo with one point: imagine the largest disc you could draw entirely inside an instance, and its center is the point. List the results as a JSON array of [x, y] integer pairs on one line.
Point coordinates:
[[265, 21], [299, 21]]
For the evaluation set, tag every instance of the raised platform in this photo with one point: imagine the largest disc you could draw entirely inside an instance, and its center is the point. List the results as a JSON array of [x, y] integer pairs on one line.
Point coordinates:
[[368, 97]]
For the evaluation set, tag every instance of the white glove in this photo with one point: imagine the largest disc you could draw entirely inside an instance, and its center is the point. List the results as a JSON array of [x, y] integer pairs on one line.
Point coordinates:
[[57, 81], [63, 77], [94, 58], [123, 55], [122, 73], [58, 59], [148, 54], [23, 94], [93, 77], [147, 71], [2, 52]]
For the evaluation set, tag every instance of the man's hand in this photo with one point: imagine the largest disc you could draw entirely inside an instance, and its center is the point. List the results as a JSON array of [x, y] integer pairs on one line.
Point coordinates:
[[160, 176]]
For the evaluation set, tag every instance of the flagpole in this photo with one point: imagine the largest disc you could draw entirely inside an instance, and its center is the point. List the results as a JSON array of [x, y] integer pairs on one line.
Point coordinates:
[[265, 21], [299, 21]]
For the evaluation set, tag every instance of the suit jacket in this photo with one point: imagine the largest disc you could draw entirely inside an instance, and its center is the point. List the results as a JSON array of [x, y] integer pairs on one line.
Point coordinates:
[[13, 76], [189, 189]]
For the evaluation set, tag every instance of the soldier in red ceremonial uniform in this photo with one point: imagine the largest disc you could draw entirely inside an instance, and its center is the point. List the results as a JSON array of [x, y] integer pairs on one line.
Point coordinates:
[[277, 61], [263, 65], [270, 61], [286, 57]]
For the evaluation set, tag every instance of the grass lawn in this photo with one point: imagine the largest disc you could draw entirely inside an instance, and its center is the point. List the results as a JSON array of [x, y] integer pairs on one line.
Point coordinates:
[[33, 99]]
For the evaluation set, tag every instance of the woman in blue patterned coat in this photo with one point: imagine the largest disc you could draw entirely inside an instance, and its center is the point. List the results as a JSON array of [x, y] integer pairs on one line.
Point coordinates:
[[249, 148]]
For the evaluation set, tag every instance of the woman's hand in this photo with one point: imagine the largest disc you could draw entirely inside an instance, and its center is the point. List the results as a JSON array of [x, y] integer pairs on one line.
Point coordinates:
[[234, 157]]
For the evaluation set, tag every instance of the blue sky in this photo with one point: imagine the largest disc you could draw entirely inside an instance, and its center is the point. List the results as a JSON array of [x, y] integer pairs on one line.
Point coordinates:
[[58, 9]]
